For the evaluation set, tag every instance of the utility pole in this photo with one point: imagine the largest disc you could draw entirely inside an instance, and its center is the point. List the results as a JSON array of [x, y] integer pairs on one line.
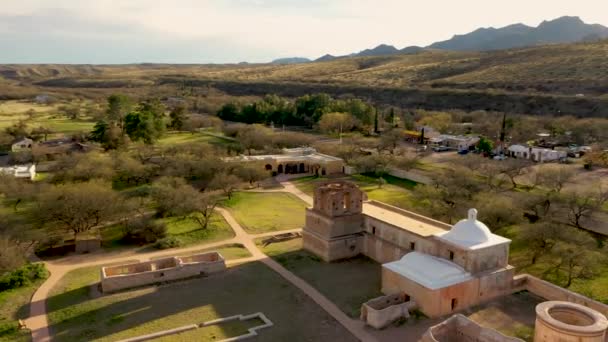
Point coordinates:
[[503, 133]]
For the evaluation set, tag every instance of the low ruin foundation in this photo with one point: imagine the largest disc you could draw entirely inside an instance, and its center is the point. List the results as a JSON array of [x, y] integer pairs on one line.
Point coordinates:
[[382, 311], [115, 278]]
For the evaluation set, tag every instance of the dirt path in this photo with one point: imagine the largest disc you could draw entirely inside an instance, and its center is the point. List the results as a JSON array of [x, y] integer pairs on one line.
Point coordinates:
[[38, 322]]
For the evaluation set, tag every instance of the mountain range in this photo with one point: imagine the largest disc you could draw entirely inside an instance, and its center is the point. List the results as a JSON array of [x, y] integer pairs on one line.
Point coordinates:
[[561, 30]]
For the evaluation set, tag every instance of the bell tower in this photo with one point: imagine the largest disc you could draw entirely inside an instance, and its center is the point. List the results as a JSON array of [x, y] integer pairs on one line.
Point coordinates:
[[334, 225]]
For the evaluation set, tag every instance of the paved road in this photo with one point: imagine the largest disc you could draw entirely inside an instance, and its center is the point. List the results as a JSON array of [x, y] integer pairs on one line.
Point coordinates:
[[38, 322]]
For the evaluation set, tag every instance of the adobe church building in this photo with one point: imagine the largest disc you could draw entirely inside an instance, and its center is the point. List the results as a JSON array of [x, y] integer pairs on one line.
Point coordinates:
[[296, 161], [426, 264]]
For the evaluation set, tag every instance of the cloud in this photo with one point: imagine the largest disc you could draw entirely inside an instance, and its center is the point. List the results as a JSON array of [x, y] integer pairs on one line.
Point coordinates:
[[110, 31], [61, 36]]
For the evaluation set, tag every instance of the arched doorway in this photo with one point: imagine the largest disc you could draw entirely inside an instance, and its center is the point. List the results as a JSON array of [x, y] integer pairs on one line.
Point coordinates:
[[280, 169], [323, 172], [268, 167], [302, 168]]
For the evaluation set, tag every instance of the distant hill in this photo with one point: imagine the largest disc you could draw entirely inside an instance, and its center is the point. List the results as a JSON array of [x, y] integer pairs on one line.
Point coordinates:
[[560, 30], [380, 50], [326, 58], [411, 49], [291, 60]]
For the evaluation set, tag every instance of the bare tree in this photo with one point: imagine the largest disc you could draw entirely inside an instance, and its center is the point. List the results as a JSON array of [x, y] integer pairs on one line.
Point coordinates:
[[575, 257], [513, 168], [553, 177], [389, 140], [582, 204], [225, 182], [78, 207], [541, 238]]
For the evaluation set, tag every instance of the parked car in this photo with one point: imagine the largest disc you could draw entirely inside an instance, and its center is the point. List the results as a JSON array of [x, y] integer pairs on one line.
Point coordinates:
[[500, 157], [440, 149], [463, 152]]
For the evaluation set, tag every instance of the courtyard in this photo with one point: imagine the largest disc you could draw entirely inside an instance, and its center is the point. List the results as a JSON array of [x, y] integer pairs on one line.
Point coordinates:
[[262, 212], [78, 312]]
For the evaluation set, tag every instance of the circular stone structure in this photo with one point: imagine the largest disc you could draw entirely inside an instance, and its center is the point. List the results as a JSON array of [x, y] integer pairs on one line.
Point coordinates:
[[568, 322]]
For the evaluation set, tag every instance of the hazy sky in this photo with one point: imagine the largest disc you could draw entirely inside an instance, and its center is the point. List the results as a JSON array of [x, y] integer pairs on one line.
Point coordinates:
[[203, 31]]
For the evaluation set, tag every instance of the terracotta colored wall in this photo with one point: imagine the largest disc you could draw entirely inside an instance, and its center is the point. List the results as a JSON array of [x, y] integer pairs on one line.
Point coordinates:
[[550, 291], [333, 249], [475, 261], [458, 328], [145, 275], [436, 303]]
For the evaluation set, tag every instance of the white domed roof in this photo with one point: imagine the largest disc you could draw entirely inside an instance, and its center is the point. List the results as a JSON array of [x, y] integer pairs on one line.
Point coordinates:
[[469, 232]]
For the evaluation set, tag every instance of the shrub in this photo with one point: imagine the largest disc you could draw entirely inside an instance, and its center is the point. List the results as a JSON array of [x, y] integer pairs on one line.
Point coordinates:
[[144, 230], [168, 242], [23, 276]]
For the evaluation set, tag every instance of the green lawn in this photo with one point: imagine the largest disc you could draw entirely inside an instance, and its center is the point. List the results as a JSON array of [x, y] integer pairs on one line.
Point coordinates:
[[214, 332], [596, 287], [176, 138], [14, 305], [229, 252], [396, 192], [64, 125], [347, 283], [266, 212], [186, 230], [77, 314]]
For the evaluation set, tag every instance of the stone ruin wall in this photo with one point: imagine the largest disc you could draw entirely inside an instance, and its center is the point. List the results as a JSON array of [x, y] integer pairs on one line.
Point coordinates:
[[121, 277], [459, 328]]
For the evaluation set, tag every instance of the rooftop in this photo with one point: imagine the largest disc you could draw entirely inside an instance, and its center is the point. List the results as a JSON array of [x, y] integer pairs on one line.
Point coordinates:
[[404, 219], [429, 271], [291, 155], [472, 234]]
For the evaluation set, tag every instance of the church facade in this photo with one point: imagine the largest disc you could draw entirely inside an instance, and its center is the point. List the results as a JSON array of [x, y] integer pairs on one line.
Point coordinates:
[[444, 269]]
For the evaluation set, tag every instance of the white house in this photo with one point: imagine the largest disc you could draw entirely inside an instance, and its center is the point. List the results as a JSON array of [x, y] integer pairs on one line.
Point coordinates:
[[459, 142], [537, 154], [20, 171], [23, 144]]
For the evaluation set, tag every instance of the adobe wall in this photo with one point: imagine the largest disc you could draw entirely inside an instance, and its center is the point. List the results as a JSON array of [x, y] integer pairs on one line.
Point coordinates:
[[330, 227], [382, 311], [459, 328], [385, 242], [121, 277], [474, 261], [550, 291], [436, 303], [332, 249]]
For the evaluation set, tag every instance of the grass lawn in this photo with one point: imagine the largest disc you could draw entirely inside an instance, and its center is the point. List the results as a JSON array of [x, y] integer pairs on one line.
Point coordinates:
[[14, 305], [596, 287], [347, 283], [396, 192], [265, 212], [214, 332], [186, 230], [75, 314], [176, 138], [229, 252]]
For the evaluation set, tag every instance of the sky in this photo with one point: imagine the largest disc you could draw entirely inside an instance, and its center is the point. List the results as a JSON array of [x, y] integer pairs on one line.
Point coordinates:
[[232, 31]]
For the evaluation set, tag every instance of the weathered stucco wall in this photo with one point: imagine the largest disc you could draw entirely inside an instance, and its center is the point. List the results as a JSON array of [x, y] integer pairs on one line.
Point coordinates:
[[477, 260], [550, 291], [459, 328], [333, 249], [121, 277], [439, 302], [382, 311]]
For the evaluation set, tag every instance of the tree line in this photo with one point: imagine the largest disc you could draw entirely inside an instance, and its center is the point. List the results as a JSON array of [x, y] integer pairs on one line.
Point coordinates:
[[305, 110]]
